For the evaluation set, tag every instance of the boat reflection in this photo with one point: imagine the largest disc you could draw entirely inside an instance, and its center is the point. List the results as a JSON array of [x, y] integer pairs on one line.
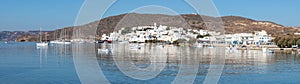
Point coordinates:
[[187, 55]]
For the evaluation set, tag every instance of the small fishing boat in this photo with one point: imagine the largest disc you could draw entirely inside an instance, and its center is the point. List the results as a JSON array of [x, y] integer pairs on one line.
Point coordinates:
[[135, 47], [141, 44], [294, 46], [109, 41], [210, 46], [271, 51], [103, 50], [161, 46], [197, 45], [265, 50], [200, 45], [6, 42], [124, 42]]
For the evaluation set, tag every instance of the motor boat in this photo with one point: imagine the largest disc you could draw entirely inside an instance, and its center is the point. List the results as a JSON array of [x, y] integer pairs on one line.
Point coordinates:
[[136, 47]]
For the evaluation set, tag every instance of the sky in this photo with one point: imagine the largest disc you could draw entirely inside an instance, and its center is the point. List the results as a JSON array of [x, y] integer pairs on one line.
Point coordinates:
[[25, 15]]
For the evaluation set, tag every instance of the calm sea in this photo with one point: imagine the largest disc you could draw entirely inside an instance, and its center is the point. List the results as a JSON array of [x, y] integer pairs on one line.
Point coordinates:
[[24, 63]]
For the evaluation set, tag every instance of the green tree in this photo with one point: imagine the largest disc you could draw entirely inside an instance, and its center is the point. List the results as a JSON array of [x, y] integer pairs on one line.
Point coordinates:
[[298, 41], [286, 41]]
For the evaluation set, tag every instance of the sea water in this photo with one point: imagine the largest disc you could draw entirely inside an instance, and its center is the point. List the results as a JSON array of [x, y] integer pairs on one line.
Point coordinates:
[[25, 63]]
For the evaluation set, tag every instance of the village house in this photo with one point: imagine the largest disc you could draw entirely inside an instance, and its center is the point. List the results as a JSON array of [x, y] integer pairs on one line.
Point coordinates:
[[258, 37], [142, 34]]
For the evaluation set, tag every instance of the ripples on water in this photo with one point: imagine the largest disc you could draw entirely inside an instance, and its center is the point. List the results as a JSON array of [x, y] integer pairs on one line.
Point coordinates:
[[26, 64]]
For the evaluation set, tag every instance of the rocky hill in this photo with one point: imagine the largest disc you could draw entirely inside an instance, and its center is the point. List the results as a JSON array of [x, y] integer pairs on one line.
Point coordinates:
[[13, 35], [232, 24]]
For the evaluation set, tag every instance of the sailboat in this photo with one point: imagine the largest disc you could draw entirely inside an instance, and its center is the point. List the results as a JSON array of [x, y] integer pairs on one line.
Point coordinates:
[[62, 40], [41, 43], [55, 40]]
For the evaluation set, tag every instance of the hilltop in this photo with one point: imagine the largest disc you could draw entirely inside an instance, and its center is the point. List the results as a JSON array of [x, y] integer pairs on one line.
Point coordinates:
[[12, 35], [232, 24]]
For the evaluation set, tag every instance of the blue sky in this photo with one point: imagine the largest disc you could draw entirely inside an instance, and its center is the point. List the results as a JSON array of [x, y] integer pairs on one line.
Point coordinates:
[[52, 14]]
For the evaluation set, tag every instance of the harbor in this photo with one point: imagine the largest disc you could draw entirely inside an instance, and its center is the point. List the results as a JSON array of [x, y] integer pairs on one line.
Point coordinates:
[[246, 65], [149, 42]]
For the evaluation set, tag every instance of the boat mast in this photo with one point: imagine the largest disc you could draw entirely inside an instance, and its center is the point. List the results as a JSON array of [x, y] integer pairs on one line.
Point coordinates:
[[40, 37], [46, 37]]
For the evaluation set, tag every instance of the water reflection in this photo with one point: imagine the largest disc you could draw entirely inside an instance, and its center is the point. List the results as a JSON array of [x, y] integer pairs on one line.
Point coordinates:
[[186, 55], [193, 61], [50, 64], [245, 61]]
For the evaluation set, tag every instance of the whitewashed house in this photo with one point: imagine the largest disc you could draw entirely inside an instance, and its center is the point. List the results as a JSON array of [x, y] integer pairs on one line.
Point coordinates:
[[262, 37]]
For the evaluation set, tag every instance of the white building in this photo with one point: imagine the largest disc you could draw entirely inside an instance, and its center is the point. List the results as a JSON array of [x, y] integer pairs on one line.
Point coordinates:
[[165, 33], [259, 37], [144, 33], [262, 37]]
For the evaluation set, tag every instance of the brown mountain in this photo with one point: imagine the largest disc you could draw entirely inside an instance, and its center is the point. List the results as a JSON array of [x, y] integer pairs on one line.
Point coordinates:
[[232, 24], [13, 35]]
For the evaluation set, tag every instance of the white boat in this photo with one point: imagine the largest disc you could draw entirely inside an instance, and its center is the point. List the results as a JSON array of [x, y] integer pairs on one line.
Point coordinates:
[[124, 42], [6, 42], [265, 50], [67, 43], [141, 44], [61, 42], [211, 46], [135, 47], [294, 46], [53, 42], [271, 51], [199, 45], [42, 44], [161, 46], [103, 50]]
